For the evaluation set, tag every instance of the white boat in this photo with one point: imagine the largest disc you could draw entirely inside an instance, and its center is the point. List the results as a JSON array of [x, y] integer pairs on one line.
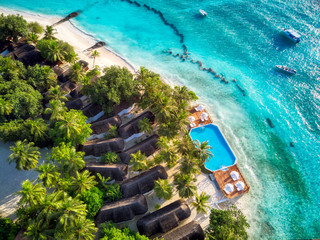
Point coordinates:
[[286, 69], [203, 13], [292, 35]]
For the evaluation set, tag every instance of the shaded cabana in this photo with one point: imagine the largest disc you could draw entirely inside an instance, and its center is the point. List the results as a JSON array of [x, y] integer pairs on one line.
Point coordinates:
[[101, 147], [31, 58], [92, 110], [131, 127], [164, 219], [142, 183], [122, 210], [190, 231], [147, 147], [84, 65], [65, 76], [113, 171], [18, 51], [75, 104], [104, 125]]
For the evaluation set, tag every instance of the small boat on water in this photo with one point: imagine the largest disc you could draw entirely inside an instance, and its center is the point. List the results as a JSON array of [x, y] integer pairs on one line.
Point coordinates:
[[292, 35], [286, 69], [203, 13]]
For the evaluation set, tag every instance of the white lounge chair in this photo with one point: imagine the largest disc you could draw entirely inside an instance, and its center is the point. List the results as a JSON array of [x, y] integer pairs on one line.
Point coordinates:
[[193, 124], [204, 116]]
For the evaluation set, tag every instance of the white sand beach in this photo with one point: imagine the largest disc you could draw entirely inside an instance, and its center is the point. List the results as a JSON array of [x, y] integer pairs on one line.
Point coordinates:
[[68, 32]]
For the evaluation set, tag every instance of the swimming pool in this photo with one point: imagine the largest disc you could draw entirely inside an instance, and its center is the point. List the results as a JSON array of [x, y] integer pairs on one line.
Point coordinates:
[[222, 153]]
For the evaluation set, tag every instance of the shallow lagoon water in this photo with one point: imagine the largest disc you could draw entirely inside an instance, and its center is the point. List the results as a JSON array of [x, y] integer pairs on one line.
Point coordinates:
[[242, 40]]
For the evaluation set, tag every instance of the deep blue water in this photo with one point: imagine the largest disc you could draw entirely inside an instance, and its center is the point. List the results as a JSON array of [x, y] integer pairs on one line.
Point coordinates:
[[242, 40], [222, 154]]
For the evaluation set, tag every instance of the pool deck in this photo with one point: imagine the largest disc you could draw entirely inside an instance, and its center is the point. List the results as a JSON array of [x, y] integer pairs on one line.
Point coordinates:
[[223, 177], [197, 116]]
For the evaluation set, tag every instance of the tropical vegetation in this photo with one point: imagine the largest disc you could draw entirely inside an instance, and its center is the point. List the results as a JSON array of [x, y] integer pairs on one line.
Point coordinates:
[[227, 224], [8, 229]]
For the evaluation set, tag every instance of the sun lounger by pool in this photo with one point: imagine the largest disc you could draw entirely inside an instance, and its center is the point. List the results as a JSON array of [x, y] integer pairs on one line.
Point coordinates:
[[204, 116], [193, 124]]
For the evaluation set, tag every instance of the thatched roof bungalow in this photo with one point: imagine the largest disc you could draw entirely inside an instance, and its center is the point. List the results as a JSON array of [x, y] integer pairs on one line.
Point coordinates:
[[103, 126], [116, 172], [101, 147], [164, 219], [27, 54], [147, 147], [122, 210], [131, 127], [65, 76], [190, 231], [92, 110], [143, 182], [75, 104]]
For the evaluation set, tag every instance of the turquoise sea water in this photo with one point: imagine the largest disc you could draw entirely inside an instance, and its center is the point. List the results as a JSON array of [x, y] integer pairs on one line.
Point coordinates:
[[242, 40], [222, 154]]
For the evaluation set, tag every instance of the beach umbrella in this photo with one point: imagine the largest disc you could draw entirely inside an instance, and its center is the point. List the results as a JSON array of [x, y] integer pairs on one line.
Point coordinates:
[[191, 118], [199, 108], [204, 114], [228, 188], [234, 175], [240, 185]]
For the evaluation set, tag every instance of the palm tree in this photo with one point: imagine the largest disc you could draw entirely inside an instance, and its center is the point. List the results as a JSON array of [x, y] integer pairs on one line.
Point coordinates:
[[5, 107], [38, 129], [139, 161], [54, 52], [37, 230], [185, 185], [55, 93], [203, 151], [189, 166], [170, 156], [163, 142], [31, 194], [69, 159], [95, 54], [48, 174], [82, 182], [112, 132], [32, 38], [77, 73], [163, 189], [185, 146], [70, 211], [84, 229], [25, 155], [200, 202], [49, 33], [145, 125], [56, 109]]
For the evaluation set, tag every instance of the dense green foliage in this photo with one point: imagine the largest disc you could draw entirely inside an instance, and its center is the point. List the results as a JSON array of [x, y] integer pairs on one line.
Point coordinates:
[[93, 198], [110, 157], [8, 229], [227, 225], [110, 232], [35, 28], [41, 77], [71, 128], [12, 27], [113, 192], [55, 50], [114, 86]]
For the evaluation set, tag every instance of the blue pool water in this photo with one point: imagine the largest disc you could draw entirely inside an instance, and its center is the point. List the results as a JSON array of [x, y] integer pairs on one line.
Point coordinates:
[[222, 153], [242, 40]]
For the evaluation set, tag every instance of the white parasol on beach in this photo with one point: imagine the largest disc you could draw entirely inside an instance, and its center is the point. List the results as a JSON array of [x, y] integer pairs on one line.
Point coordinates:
[[240, 185], [199, 108], [191, 119], [228, 188], [234, 175]]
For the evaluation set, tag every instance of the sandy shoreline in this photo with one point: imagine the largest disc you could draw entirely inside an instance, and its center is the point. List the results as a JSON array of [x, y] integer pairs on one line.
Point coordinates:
[[76, 37]]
